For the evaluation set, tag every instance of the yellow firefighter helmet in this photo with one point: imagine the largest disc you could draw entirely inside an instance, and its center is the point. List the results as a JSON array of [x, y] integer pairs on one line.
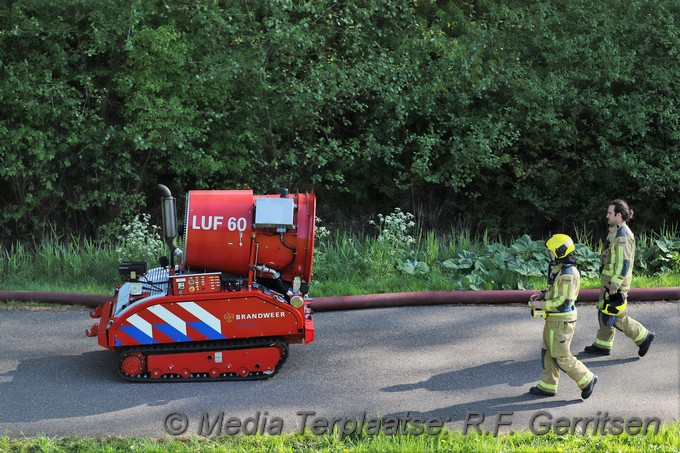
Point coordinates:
[[561, 245]]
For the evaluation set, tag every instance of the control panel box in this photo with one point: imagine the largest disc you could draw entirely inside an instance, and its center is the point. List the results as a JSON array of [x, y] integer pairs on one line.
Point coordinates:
[[274, 212], [196, 283]]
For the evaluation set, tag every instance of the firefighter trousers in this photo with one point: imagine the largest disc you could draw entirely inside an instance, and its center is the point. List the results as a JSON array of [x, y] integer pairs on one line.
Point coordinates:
[[556, 355], [609, 324], [621, 321]]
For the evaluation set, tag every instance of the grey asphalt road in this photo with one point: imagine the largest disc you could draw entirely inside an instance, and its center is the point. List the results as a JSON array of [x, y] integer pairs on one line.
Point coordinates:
[[447, 362]]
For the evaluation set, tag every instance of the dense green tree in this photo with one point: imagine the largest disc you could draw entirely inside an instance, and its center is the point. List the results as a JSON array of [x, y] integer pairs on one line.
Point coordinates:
[[594, 101], [512, 116]]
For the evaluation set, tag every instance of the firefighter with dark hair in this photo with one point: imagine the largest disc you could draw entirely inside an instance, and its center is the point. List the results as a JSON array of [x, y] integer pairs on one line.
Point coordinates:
[[616, 273], [556, 304]]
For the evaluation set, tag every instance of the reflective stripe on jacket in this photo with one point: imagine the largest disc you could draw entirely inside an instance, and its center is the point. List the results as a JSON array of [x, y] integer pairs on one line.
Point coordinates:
[[560, 299]]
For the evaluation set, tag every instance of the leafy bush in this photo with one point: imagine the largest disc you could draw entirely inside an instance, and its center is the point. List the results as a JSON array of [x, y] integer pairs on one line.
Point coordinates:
[[492, 265], [588, 261], [660, 257], [500, 266]]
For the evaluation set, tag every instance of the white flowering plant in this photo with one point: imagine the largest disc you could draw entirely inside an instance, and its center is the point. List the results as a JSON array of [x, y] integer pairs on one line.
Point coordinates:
[[393, 249], [141, 241]]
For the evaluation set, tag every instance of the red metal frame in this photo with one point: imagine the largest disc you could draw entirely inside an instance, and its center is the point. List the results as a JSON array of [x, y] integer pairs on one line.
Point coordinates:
[[214, 363]]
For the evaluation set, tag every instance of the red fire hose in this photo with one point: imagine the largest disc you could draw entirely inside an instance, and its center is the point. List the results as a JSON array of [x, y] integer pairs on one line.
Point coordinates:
[[375, 300], [472, 297]]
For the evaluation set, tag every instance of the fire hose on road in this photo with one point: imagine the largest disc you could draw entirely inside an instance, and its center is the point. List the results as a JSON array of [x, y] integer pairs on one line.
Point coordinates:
[[373, 300]]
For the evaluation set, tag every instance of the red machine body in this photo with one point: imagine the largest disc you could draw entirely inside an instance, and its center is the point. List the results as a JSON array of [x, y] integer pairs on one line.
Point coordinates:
[[220, 223], [233, 304]]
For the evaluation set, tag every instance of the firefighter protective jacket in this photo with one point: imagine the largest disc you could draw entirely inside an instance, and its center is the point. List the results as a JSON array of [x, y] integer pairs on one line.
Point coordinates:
[[617, 259], [564, 284]]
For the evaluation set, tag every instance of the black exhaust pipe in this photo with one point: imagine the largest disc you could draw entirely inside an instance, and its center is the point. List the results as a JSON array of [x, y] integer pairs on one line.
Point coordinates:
[[169, 212]]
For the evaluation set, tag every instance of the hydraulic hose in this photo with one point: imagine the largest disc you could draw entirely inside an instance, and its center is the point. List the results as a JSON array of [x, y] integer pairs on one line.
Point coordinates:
[[376, 300]]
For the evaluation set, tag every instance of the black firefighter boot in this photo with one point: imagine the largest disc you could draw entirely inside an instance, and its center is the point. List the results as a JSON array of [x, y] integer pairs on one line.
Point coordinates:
[[644, 346], [593, 349], [588, 390]]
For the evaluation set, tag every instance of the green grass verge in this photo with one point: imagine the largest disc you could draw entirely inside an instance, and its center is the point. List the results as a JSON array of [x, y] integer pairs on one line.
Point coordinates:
[[666, 440], [347, 263]]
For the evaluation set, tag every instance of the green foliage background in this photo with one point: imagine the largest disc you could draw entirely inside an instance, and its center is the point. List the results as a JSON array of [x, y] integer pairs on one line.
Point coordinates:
[[505, 116]]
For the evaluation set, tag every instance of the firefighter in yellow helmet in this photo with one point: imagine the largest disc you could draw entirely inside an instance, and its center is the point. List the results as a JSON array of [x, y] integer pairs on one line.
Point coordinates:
[[557, 302], [615, 278]]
